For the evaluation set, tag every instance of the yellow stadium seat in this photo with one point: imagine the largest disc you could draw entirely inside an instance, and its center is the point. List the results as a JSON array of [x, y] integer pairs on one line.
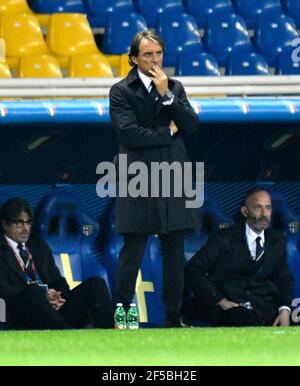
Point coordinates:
[[89, 66], [70, 34], [4, 70], [23, 36], [42, 66], [14, 6], [123, 67]]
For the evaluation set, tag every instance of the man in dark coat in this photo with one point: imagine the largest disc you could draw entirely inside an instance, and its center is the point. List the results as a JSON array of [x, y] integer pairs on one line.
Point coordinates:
[[240, 277], [35, 294], [150, 112]]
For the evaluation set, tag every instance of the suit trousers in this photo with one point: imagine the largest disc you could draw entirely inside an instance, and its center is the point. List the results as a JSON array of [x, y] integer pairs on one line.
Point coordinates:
[[172, 249], [31, 309]]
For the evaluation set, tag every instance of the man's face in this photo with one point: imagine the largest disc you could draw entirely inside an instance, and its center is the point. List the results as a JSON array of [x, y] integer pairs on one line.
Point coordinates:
[[150, 55], [258, 211], [18, 229]]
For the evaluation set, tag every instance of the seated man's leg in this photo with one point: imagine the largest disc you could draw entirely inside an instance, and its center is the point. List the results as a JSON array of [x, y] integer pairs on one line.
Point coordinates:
[[89, 298], [237, 317], [31, 310]]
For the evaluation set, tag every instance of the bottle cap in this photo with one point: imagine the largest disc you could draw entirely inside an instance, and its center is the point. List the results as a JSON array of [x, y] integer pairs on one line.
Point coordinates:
[[119, 304], [132, 305]]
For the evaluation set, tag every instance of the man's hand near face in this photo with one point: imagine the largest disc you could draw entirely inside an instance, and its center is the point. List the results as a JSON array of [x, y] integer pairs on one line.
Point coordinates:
[[160, 79]]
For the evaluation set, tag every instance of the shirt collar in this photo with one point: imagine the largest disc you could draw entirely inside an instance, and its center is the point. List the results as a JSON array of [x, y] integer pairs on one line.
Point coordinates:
[[145, 79], [252, 236]]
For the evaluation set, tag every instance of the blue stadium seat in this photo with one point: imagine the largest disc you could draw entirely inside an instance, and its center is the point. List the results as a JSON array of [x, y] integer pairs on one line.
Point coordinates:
[[247, 63], [289, 61], [71, 234], [119, 31], [201, 9], [196, 64], [98, 10], [226, 33], [54, 6], [273, 33], [150, 9], [149, 284], [288, 222], [178, 32], [250, 9], [292, 8]]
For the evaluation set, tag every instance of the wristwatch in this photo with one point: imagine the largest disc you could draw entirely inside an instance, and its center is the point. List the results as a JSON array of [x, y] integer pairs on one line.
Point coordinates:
[[168, 95]]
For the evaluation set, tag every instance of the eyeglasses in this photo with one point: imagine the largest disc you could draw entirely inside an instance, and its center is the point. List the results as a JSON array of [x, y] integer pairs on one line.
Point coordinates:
[[20, 223]]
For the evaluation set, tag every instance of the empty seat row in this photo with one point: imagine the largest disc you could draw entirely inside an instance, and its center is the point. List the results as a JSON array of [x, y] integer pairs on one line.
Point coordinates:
[[248, 63]]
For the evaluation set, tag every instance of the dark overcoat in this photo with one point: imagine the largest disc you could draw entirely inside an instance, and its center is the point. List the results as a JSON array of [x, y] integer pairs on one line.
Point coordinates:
[[142, 127], [223, 268]]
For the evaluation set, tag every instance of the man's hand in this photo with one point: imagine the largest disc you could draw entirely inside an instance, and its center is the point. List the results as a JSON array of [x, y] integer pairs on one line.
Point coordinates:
[[226, 304], [173, 127], [55, 299], [160, 79], [283, 319]]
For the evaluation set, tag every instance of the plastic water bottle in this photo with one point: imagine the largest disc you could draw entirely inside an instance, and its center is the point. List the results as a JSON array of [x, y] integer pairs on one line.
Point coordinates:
[[120, 317], [132, 317]]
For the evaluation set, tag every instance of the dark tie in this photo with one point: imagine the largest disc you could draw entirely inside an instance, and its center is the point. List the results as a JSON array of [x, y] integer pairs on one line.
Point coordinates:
[[259, 249], [153, 91], [28, 263]]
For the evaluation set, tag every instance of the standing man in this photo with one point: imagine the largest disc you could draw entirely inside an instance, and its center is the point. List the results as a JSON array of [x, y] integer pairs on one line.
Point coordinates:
[[36, 295], [240, 277], [150, 112]]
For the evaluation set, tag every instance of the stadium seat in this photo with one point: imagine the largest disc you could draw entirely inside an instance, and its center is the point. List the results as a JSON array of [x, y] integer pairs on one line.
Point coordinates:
[[42, 66], [178, 32], [250, 9], [123, 66], [23, 37], [78, 38], [4, 70], [89, 66], [226, 33], [14, 6], [288, 62], [119, 31], [56, 6], [150, 9], [196, 64], [201, 9], [98, 10], [273, 33], [248, 63], [292, 8], [288, 222], [70, 233]]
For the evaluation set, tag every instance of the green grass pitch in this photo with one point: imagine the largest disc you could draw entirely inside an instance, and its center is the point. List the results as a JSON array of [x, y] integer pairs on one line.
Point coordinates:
[[156, 347]]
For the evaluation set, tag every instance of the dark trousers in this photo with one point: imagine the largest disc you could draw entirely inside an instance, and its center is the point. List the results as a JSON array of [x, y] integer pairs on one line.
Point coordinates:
[[172, 249], [31, 310], [196, 313]]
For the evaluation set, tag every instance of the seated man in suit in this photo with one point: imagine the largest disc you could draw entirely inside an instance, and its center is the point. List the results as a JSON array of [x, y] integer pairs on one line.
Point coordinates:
[[36, 295], [240, 277]]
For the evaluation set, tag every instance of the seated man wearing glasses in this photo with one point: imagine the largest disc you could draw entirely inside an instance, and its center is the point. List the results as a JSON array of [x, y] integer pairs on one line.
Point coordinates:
[[35, 294]]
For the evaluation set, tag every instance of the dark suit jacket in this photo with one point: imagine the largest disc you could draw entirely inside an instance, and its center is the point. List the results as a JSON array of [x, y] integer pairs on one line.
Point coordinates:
[[12, 277], [223, 268], [142, 126]]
